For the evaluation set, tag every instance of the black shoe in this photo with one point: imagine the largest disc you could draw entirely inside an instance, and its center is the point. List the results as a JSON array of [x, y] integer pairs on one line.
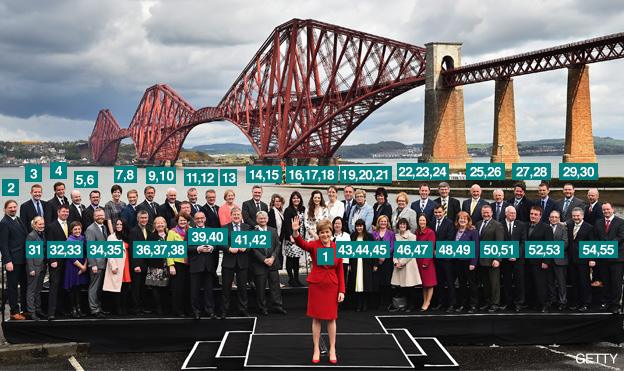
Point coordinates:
[[604, 307], [41, 315], [484, 307], [503, 307], [459, 309], [280, 310], [99, 315], [493, 309], [450, 309], [615, 309], [573, 307], [105, 312], [545, 309], [222, 316], [437, 307], [33, 317], [264, 312], [472, 309], [583, 308], [244, 313], [561, 307], [409, 309], [196, 315], [51, 318], [517, 308], [74, 314]]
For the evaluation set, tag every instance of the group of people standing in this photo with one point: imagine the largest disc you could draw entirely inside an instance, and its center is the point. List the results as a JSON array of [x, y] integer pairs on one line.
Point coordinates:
[[388, 283]]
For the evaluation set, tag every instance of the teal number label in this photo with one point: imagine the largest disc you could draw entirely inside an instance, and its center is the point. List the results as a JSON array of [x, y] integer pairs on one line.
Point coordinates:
[[363, 249], [422, 171], [34, 249], [598, 250], [58, 170], [251, 239], [263, 174], [159, 249], [228, 177], [499, 249], [312, 174], [160, 175], [104, 249], [33, 173], [455, 249], [578, 171], [10, 187], [201, 177], [325, 256], [366, 174], [85, 179], [413, 249], [531, 171], [207, 236], [543, 249], [64, 250], [485, 171], [125, 174]]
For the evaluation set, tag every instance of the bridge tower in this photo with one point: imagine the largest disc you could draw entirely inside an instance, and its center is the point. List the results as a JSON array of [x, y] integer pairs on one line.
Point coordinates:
[[579, 141], [445, 129]]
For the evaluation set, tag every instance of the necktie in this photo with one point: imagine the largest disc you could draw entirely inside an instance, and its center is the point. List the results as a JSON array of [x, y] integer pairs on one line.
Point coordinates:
[[473, 204], [566, 204], [257, 206], [554, 227], [531, 229], [438, 224], [236, 227], [103, 231], [575, 231], [607, 225], [543, 204], [591, 207], [152, 206], [510, 227], [79, 210], [213, 210], [196, 207], [175, 209], [422, 206], [517, 202], [144, 233], [64, 225], [498, 210], [445, 207], [485, 222], [39, 212]]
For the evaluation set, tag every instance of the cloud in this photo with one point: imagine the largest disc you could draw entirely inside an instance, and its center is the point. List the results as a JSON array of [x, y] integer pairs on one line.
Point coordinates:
[[63, 61]]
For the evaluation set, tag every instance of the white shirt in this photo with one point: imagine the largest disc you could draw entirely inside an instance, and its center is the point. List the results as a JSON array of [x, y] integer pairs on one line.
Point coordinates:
[[337, 209]]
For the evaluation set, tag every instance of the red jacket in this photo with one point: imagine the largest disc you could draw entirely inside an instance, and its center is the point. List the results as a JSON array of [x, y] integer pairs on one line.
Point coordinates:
[[323, 273]]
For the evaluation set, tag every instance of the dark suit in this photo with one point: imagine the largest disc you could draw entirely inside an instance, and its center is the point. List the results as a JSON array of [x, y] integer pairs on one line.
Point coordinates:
[[212, 221], [249, 210], [513, 270], [379, 210], [595, 213], [202, 269], [613, 268], [54, 232], [523, 208], [499, 211], [347, 214], [445, 270], [13, 248], [166, 211], [452, 208], [538, 276], [580, 270], [547, 208], [195, 208], [28, 212], [138, 278], [557, 272], [74, 214], [54, 205], [129, 216], [427, 210], [468, 279], [490, 276], [87, 216], [566, 213], [475, 216], [262, 272], [234, 264], [152, 212]]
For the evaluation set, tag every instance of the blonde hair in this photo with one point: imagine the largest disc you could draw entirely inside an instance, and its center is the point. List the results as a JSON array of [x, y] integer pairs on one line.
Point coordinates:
[[158, 219], [323, 225], [403, 195], [360, 192], [227, 192], [35, 220], [380, 218]]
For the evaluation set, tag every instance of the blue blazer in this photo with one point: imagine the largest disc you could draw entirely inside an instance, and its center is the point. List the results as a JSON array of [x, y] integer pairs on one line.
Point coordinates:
[[550, 206], [472, 235], [428, 211]]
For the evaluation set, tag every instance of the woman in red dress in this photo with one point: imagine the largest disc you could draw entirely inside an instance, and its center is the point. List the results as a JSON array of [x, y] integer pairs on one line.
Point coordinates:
[[426, 267], [326, 287]]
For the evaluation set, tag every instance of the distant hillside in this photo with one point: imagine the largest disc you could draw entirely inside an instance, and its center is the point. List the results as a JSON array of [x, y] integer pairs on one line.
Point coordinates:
[[225, 148], [391, 149]]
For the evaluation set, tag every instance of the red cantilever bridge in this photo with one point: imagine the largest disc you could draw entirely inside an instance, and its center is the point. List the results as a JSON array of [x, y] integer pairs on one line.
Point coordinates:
[[309, 86]]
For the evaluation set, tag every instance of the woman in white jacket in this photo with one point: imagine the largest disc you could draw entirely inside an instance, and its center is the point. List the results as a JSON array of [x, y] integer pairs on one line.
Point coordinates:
[[117, 277], [406, 274]]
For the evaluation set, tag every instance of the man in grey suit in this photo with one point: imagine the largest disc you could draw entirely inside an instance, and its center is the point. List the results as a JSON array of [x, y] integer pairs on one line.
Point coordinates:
[[557, 272], [96, 232], [36, 269], [490, 229], [569, 202], [264, 263]]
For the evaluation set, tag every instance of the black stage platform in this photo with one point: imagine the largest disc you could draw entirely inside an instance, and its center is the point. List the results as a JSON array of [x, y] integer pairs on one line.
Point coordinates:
[[399, 340]]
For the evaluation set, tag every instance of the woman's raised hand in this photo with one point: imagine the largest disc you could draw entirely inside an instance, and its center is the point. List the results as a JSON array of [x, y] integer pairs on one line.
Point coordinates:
[[296, 223]]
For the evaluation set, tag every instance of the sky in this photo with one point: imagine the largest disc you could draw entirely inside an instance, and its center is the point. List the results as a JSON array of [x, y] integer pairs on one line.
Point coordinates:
[[63, 61]]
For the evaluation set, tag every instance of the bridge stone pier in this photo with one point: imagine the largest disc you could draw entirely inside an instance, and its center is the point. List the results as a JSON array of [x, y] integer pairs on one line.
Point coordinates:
[[579, 141], [504, 144], [445, 130]]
